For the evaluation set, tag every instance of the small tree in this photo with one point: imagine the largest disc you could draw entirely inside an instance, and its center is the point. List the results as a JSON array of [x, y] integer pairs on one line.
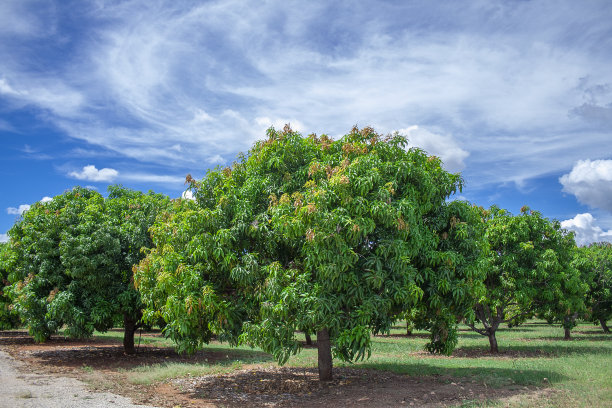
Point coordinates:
[[8, 317], [304, 234], [595, 265], [529, 270], [74, 262]]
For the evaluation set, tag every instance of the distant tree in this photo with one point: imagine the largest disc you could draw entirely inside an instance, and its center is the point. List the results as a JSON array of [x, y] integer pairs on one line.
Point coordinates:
[[8, 317], [305, 234], [74, 261], [529, 271], [595, 264]]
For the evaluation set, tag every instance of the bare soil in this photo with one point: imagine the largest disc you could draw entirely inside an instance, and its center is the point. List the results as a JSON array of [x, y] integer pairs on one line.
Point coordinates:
[[102, 364]]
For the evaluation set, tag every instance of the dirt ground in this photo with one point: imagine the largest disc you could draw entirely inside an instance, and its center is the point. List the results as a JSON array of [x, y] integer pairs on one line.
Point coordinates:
[[102, 365]]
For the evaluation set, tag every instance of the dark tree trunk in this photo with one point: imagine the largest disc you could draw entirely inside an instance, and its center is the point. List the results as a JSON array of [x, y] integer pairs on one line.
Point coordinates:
[[568, 323], [408, 329], [493, 342], [604, 326], [129, 328], [325, 356], [308, 338]]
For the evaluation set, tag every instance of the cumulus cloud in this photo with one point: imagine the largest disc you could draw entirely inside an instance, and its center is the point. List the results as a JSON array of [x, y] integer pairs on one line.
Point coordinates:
[[591, 183], [586, 230], [18, 210], [91, 173], [4, 237], [25, 207], [439, 145], [187, 195]]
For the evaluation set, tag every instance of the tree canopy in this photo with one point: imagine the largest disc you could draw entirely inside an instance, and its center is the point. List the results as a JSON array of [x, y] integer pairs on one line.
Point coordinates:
[[8, 316], [595, 263], [73, 261], [529, 270], [308, 233]]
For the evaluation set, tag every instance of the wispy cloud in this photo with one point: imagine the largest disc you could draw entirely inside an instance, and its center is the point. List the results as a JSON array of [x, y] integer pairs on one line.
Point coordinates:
[[186, 84], [4, 238], [443, 146], [153, 178]]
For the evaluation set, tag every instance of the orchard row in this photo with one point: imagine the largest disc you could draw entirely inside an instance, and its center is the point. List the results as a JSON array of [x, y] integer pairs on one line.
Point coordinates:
[[341, 238]]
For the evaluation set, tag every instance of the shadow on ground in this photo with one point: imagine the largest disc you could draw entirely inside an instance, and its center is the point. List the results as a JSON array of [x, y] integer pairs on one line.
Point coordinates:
[[358, 387]]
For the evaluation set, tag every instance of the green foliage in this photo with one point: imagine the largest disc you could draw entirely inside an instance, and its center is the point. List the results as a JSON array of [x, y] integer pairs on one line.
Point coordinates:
[[73, 260], [451, 272], [309, 234], [8, 316], [595, 265], [530, 270]]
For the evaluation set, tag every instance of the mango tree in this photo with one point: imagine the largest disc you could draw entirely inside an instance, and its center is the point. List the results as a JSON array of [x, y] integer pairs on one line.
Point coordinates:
[[529, 270], [8, 317], [74, 262], [451, 273], [595, 264], [301, 234]]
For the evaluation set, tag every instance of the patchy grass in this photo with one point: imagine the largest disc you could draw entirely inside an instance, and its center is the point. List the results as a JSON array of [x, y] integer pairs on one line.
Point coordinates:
[[579, 372]]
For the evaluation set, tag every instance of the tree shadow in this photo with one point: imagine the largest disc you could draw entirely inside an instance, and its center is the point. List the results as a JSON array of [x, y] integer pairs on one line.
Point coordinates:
[[108, 353], [404, 336], [363, 385], [559, 349], [492, 376], [15, 337], [578, 338], [113, 357]]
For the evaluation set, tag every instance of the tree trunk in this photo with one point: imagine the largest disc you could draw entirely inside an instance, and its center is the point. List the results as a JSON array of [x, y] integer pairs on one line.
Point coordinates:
[[604, 326], [493, 342], [408, 328], [568, 324], [325, 357], [129, 328], [308, 338]]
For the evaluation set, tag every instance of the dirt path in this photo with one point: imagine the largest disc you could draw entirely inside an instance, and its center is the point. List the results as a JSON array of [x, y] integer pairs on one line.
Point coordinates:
[[20, 389]]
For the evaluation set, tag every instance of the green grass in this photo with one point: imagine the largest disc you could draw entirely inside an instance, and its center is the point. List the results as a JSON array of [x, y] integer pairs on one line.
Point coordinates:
[[533, 354]]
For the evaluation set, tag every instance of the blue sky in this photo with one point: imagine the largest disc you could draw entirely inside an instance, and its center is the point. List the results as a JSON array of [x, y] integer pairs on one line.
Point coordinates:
[[516, 95]]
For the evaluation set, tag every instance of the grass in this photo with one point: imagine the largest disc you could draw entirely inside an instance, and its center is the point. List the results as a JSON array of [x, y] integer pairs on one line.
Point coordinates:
[[534, 354]]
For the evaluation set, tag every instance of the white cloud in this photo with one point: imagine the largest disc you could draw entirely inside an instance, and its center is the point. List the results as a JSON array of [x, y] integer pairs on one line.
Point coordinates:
[[152, 178], [279, 124], [6, 89], [591, 183], [18, 210], [4, 238], [25, 207], [216, 159], [439, 145], [586, 230], [200, 116], [500, 77], [91, 173], [187, 195]]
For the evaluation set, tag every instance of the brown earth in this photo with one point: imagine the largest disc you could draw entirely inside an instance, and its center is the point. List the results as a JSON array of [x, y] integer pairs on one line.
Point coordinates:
[[103, 366]]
